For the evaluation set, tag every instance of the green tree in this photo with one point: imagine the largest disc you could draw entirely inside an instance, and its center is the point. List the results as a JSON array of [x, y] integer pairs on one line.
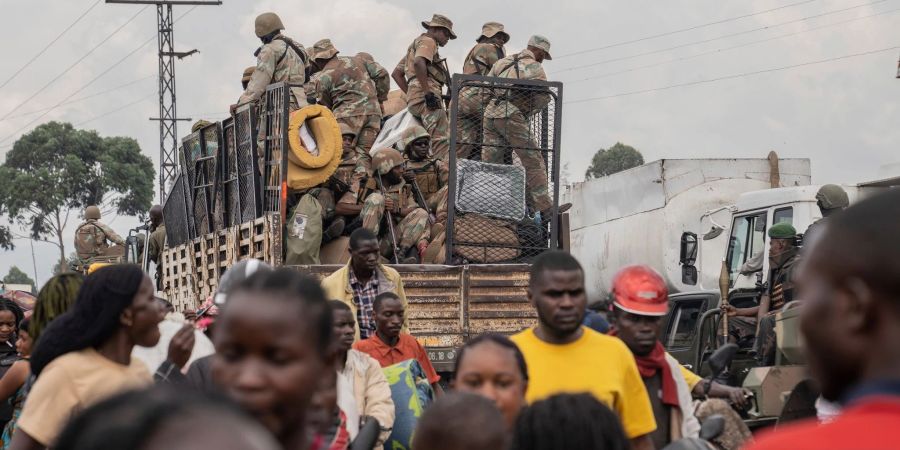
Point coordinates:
[[617, 158], [56, 170], [72, 261], [16, 276]]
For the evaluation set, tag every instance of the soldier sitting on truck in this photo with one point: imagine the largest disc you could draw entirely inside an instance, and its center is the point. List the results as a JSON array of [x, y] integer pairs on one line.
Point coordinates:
[[92, 235], [340, 196], [430, 175], [779, 290]]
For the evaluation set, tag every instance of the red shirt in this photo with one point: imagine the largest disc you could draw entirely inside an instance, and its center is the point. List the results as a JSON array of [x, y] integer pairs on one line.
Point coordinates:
[[871, 423], [407, 348]]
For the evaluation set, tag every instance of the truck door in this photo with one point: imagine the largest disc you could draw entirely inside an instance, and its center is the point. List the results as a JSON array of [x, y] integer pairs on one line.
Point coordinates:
[[681, 335], [746, 256]]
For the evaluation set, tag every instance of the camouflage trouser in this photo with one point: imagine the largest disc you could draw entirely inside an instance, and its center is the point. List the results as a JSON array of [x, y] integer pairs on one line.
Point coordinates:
[[438, 204], [468, 135], [410, 230], [513, 134], [366, 128], [735, 434], [766, 344], [437, 124], [326, 199]]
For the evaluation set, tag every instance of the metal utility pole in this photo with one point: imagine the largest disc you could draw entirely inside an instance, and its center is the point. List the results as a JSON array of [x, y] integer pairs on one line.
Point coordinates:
[[168, 118]]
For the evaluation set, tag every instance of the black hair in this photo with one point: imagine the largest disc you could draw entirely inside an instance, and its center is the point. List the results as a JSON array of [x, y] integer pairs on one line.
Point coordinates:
[[498, 339], [23, 325], [93, 318], [461, 421], [55, 298], [131, 419], [303, 290], [167, 304], [337, 305], [569, 421], [380, 298], [13, 307], [551, 261], [358, 236]]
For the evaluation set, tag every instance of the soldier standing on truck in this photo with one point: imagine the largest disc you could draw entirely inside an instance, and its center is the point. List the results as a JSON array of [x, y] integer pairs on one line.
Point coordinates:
[[424, 75], [378, 74], [157, 241], [395, 202], [343, 85], [488, 50], [92, 235], [245, 78], [830, 199], [280, 59]]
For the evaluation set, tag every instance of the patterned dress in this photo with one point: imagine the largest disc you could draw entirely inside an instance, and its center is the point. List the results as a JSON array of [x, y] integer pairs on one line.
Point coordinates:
[[18, 401]]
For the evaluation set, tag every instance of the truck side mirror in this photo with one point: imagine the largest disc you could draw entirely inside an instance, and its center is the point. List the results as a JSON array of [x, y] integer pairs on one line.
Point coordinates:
[[689, 275], [688, 255]]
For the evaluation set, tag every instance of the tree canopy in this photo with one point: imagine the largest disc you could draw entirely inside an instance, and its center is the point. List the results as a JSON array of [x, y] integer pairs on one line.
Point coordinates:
[[56, 169], [617, 158], [16, 276]]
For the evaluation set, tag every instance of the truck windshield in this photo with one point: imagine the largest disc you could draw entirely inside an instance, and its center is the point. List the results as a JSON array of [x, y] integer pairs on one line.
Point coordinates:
[[747, 243]]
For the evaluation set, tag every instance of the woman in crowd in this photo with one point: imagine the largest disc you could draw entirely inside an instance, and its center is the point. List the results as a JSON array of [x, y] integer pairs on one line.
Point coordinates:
[[492, 366], [569, 421], [273, 345], [84, 355], [10, 316], [54, 299], [12, 385]]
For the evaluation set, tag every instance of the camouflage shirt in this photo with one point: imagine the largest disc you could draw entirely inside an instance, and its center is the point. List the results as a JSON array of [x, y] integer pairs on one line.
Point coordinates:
[[429, 177], [482, 57], [91, 237], [424, 47], [277, 62], [344, 86], [505, 103], [346, 174], [379, 76]]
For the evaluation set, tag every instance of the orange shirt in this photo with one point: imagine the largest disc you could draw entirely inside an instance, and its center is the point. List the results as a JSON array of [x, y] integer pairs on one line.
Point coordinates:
[[407, 348]]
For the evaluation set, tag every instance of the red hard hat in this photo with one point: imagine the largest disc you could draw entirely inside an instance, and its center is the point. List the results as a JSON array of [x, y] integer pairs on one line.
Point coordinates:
[[640, 290]]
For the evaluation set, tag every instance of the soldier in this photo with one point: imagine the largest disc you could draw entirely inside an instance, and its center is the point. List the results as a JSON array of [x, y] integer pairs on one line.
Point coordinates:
[[279, 59], [340, 197], [831, 199], [157, 241], [245, 78], [429, 174], [92, 235], [378, 74], [410, 221], [506, 120], [343, 85], [426, 73], [488, 50]]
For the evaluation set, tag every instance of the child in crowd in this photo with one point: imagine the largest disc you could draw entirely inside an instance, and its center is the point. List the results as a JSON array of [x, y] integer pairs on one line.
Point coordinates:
[[389, 345], [461, 421]]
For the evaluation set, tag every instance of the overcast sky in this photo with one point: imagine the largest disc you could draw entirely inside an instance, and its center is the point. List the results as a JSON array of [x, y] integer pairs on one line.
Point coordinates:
[[841, 114]]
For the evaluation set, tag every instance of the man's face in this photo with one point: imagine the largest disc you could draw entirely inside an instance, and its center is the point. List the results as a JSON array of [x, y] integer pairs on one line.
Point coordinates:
[[389, 317], [441, 36], [777, 247], [364, 258], [539, 55], [560, 300], [347, 143], [395, 175], [418, 149], [344, 328], [639, 333]]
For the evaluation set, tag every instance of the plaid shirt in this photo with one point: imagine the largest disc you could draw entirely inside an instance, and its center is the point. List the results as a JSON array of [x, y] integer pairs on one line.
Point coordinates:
[[363, 297]]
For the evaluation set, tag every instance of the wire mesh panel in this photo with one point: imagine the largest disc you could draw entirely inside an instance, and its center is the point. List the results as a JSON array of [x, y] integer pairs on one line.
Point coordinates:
[[229, 171], [247, 162], [504, 208], [275, 142], [176, 214], [200, 150], [212, 143]]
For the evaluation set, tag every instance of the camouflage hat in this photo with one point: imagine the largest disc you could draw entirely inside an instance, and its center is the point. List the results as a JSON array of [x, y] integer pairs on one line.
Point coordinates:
[[411, 134], [832, 196], [491, 29], [268, 23], [92, 212], [782, 230], [199, 125], [540, 42], [248, 72], [386, 159], [365, 57], [440, 21], [345, 129], [323, 49]]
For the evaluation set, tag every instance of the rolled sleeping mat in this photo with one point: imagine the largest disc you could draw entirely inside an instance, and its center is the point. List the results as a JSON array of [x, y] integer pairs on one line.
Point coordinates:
[[315, 146]]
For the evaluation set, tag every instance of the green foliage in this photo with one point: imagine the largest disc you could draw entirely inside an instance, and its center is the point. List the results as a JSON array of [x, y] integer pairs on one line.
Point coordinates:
[[615, 159], [56, 169], [71, 262], [16, 276]]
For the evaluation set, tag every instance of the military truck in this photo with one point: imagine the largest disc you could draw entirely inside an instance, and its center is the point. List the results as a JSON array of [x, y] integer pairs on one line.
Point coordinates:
[[235, 188]]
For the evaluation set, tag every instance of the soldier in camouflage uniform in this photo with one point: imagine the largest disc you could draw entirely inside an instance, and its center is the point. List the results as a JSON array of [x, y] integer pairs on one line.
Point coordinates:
[[245, 78], [92, 235], [410, 221], [280, 59], [506, 120], [378, 74], [425, 74], [488, 50], [340, 196], [429, 174], [343, 85]]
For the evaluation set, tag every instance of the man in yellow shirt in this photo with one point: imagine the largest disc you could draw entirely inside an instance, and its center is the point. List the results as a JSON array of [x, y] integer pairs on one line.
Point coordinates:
[[565, 357]]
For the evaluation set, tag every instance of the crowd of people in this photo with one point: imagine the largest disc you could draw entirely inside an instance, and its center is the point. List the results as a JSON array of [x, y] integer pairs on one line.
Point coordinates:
[[302, 364]]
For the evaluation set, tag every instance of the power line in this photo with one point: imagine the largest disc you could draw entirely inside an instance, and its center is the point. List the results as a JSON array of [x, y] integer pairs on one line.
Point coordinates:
[[81, 99], [108, 113], [60, 75], [669, 33], [724, 49], [724, 36], [739, 75], [43, 50]]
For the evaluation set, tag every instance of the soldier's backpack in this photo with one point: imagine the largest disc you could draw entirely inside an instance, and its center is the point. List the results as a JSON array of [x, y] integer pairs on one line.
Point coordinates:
[[86, 245]]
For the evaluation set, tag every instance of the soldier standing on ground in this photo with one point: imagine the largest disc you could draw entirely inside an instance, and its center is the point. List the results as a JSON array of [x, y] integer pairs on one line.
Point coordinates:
[[488, 50], [425, 73], [92, 235], [279, 59], [343, 85], [157, 241]]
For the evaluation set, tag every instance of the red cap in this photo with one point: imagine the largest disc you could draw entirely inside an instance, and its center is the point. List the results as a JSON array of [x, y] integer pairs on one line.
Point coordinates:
[[640, 290]]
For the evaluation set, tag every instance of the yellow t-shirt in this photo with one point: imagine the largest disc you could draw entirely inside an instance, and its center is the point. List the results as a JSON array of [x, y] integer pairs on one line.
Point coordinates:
[[690, 377], [71, 383], [595, 363]]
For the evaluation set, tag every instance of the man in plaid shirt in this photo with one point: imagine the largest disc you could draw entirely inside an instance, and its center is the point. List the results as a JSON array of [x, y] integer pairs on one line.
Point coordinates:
[[364, 293]]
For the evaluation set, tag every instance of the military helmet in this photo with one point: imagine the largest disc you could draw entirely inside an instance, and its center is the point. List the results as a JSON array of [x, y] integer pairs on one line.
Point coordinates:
[[346, 129], [199, 125], [832, 196], [409, 135], [92, 212], [386, 159], [268, 23]]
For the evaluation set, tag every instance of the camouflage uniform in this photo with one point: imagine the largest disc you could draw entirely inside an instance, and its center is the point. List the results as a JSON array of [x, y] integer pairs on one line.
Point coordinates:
[[435, 121], [431, 174], [411, 230], [378, 74], [276, 62], [91, 237], [506, 125], [780, 291], [156, 245], [469, 118], [344, 184]]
